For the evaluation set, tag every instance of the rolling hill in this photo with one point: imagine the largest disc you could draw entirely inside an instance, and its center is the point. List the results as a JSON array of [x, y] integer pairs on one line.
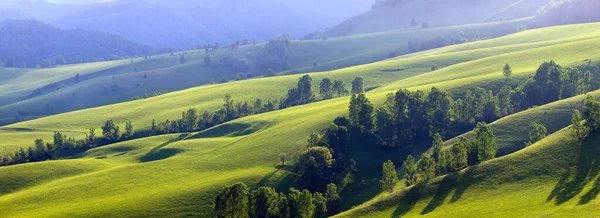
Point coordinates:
[[165, 73], [178, 175], [397, 16]]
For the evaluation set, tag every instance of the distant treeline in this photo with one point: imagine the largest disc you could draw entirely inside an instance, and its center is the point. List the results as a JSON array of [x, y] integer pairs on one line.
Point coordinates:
[[191, 121], [417, 45], [30, 43]]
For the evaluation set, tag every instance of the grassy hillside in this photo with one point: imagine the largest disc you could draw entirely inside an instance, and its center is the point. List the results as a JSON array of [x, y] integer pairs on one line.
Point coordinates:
[[435, 14], [555, 177], [178, 175], [59, 93]]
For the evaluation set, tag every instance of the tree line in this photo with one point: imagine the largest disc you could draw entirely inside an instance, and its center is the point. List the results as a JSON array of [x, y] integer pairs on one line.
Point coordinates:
[[191, 121], [239, 201], [407, 119], [417, 45]]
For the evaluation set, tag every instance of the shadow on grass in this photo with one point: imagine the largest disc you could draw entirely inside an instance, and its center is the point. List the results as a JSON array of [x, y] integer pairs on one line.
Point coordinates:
[[231, 129], [572, 183], [157, 153], [277, 182]]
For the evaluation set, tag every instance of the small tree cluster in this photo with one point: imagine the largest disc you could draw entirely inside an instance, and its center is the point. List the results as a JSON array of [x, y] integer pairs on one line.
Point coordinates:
[[238, 201]]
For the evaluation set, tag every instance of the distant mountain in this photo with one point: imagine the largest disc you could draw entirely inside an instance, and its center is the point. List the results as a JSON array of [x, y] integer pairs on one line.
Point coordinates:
[[184, 24], [30, 43], [400, 14]]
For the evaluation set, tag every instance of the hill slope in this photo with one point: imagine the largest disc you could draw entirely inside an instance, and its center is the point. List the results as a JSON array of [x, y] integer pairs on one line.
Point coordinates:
[[179, 174], [396, 16], [165, 73], [554, 177], [27, 43]]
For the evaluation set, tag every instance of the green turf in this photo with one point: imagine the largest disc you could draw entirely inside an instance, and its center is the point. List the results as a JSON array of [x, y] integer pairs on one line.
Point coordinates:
[[177, 175], [555, 177], [166, 74]]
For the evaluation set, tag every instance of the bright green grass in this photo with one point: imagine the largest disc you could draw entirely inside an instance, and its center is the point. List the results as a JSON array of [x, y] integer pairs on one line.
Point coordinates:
[[552, 178], [179, 174], [166, 74]]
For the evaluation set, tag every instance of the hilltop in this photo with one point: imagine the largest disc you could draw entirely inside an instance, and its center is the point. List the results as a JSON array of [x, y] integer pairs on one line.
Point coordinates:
[[180, 174]]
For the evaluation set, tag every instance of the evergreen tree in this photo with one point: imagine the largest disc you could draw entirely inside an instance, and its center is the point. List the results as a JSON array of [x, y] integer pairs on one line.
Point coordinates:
[[333, 198], [507, 71], [485, 140], [110, 131], [154, 128], [340, 88], [128, 129], [389, 178], [410, 171], [357, 85], [427, 166], [459, 153], [190, 119], [326, 88], [361, 113], [91, 138]]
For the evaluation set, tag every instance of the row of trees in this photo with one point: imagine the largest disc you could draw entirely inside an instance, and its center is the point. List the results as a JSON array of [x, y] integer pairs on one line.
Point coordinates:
[[303, 93], [191, 120], [238, 201]]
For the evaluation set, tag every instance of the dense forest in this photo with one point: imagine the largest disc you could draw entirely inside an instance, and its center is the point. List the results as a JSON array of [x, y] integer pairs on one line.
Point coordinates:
[[29, 44]]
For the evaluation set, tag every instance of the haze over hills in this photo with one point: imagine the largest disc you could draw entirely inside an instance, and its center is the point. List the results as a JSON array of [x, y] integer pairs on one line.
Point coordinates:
[[478, 108], [185, 24]]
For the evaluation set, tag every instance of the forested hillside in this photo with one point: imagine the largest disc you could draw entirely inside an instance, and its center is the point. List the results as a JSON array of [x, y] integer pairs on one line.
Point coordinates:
[[33, 44]]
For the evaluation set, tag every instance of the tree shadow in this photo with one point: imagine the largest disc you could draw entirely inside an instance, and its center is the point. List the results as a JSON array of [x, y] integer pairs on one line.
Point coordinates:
[[157, 153], [463, 181], [409, 200], [572, 183], [443, 190]]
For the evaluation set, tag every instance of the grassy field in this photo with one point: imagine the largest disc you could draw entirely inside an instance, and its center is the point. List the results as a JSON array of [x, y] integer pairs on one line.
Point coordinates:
[[177, 175], [555, 177], [166, 74]]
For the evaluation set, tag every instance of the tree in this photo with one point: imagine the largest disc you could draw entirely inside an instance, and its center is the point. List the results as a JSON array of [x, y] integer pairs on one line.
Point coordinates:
[[427, 166], [153, 129], [305, 90], [504, 101], [361, 113], [320, 206], [340, 88], [91, 138], [110, 131], [389, 178], [536, 132], [357, 85], [437, 146], [282, 158], [263, 203], [591, 113], [580, 130], [435, 67], [182, 59], [507, 71], [59, 140], [459, 153], [485, 140], [315, 165], [410, 171], [326, 88], [424, 25], [333, 198], [232, 201], [128, 129], [190, 119]]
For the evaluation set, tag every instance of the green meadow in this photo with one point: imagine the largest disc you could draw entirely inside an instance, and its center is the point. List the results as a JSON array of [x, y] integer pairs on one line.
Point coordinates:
[[180, 174]]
